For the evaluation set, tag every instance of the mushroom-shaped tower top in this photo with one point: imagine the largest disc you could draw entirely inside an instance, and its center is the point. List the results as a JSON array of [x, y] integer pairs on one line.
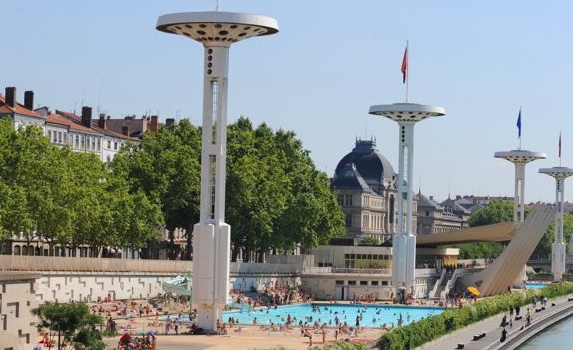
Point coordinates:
[[407, 112], [557, 172], [214, 27], [520, 156]]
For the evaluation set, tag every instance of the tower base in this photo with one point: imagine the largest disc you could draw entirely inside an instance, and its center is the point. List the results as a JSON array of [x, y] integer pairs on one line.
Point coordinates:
[[403, 263], [211, 255]]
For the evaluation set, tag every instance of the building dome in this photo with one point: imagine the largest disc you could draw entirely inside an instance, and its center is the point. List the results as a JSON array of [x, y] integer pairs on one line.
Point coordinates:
[[373, 167]]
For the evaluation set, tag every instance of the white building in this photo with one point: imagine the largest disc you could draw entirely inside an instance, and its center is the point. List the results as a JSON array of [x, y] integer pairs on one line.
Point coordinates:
[[104, 137]]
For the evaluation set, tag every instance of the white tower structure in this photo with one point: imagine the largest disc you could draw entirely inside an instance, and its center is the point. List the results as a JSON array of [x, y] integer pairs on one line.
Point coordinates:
[[404, 242], [212, 236], [558, 251], [520, 158]]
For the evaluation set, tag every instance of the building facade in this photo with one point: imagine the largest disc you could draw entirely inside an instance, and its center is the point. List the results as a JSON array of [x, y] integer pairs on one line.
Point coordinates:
[[366, 185], [103, 137]]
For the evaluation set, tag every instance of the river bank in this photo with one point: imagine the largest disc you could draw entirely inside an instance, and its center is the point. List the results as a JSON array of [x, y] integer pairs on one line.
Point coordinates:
[[556, 310]]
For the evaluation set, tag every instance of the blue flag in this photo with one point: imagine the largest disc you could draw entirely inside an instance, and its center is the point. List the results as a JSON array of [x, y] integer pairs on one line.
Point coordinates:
[[519, 124]]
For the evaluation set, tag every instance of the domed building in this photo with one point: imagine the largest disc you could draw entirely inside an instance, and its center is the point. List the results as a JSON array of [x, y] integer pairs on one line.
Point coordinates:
[[366, 185]]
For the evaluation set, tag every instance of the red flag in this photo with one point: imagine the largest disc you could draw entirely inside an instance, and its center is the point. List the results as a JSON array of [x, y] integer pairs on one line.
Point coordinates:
[[559, 145], [405, 65]]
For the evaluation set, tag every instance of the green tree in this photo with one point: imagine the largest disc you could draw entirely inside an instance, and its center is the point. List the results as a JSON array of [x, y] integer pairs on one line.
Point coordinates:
[[494, 212], [166, 166], [28, 175], [369, 241], [543, 249], [256, 188], [72, 323], [276, 199]]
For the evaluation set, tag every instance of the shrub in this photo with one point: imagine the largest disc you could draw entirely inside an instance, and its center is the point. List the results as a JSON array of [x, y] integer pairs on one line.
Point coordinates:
[[433, 327]]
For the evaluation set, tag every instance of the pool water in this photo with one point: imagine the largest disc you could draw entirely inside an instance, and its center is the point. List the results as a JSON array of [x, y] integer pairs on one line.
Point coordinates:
[[535, 285], [369, 315]]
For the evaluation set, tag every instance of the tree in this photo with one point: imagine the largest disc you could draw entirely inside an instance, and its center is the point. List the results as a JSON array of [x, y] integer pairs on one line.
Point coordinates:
[[494, 212], [166, 166], [276, 199], [369, 241], [543, 249], [72, 323]]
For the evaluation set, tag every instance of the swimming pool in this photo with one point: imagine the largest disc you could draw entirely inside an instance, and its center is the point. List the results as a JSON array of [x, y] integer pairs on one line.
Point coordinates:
[[535, 285], [369, 315]]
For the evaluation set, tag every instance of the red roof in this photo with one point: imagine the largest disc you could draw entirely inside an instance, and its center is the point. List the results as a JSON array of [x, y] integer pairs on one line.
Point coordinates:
[[18, 109], [78, 120], [59, 119]]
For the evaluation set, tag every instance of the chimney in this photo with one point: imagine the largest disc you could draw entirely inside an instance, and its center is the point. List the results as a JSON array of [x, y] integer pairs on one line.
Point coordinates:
[[154, 121], [87, 116], [29, 100], [11, 96], [169, 121], [102, 122], [125, 130]]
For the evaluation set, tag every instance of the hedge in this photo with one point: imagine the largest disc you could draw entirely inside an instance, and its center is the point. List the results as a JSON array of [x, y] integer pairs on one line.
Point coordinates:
[[436, 326]]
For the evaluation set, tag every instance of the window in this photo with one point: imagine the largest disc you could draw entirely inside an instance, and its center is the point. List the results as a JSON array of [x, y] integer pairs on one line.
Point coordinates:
[[108, 144], [77, 143], [374, 283], [363, 283], [348, 220], [351, 283], [339, 282], [115, 145]]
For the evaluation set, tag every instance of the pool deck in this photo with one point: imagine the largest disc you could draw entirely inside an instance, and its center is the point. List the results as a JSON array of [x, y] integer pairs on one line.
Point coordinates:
[[250, 338], [256, 337]]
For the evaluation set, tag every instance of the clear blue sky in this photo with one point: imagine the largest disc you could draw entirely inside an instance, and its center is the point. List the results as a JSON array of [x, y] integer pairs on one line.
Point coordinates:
[[320, 74]]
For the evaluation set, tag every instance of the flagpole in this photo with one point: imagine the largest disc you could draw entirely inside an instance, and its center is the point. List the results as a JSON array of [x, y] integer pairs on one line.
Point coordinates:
[[407, 70], [560, 148], [519, 127]]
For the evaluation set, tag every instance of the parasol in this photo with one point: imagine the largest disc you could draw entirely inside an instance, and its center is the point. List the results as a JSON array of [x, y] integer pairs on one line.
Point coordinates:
[[474, 290]]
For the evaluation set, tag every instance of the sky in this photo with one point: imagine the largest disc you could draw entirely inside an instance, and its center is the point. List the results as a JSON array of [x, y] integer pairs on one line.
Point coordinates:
[[318, 76]]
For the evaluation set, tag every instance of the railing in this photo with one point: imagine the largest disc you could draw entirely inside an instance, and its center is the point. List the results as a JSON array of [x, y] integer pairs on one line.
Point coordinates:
[[50, 263], [348, 270], [263, 269]]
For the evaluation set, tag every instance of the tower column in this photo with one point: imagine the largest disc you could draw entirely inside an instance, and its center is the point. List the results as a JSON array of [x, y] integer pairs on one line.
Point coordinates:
[[519, 193], [404, 242], [558, 248], [519, 158], [212, 236]]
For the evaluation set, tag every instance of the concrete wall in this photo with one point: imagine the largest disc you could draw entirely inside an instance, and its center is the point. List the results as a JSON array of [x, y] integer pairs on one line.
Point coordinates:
[[88, 287], [17, 299]]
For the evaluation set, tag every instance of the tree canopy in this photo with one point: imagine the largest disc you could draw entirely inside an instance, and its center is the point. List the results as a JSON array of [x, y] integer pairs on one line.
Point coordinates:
[[67, 198], [276, 199], [71, 323]]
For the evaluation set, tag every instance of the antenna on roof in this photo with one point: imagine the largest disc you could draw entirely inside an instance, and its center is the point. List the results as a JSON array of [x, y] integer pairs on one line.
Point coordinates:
[[99, 98]]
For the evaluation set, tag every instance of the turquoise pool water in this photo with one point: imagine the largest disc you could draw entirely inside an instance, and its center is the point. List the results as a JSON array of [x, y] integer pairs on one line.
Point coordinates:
[[369, 315], [535, 285]]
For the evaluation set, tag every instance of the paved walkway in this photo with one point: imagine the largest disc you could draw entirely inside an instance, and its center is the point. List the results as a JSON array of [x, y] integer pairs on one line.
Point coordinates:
[[518, 333]]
